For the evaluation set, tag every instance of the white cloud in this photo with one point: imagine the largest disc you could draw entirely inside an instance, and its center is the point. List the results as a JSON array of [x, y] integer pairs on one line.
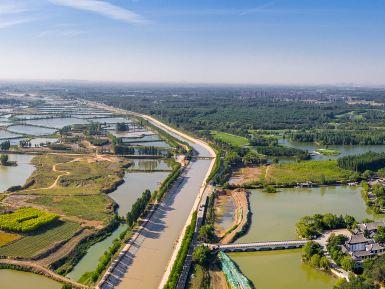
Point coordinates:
[[12, 8], [102, 8], [10, 23]]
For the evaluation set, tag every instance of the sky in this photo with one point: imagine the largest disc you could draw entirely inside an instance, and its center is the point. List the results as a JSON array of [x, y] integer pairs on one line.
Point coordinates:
[[195, 41]]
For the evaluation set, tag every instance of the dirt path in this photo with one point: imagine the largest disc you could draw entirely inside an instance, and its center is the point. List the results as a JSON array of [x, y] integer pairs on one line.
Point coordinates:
[[38, 269], [217, 278], [54, 169]]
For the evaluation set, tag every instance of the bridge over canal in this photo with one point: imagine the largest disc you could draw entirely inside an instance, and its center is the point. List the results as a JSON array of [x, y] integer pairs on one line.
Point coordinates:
[[258, 246]]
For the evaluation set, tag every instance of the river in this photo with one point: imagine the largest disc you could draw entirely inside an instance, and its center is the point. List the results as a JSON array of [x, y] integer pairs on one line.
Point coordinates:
[[148, 257]]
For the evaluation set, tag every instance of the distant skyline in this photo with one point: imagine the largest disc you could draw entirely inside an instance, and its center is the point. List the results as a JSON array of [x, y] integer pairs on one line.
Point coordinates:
[[197, 41]]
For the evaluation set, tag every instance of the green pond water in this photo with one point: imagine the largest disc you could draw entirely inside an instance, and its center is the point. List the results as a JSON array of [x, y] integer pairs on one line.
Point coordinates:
[[281, 270], [135, 183], [11, 279], [89, 262], [275, 215]]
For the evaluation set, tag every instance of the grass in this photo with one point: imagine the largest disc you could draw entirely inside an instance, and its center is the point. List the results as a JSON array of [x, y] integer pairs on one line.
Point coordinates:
[[231, 139], [320, 172], [197, 279], [328, 152], [32, 244], [6, 238], [88, 207]]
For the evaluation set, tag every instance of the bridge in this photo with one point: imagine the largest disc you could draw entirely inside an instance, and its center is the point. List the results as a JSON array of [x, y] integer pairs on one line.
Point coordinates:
[[258, 246]]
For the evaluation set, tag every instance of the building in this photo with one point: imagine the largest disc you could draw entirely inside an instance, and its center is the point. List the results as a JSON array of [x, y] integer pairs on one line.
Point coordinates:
[[361, 244]]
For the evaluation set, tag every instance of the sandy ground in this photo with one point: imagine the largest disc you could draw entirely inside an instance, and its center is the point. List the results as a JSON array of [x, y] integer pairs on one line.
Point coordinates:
[[239, 197], [246, 175], [217, 278]]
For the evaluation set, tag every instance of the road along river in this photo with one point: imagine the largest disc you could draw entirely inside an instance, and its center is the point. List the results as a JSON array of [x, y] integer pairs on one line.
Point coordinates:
[[148, 260]]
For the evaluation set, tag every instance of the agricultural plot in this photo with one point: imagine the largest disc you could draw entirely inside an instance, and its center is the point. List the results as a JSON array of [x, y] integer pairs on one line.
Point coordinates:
[[32, 244], [231, 139], [6, 238], [26, 220]]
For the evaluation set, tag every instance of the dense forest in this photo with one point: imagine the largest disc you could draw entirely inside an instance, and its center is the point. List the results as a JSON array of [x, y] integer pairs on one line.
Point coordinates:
[[368, 161]]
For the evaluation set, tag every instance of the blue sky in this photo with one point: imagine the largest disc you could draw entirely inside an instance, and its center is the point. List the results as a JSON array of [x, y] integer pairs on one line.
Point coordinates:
[[239, 41]]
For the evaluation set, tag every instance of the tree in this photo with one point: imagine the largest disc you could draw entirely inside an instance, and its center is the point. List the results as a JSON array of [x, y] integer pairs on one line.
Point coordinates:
[[315, 260], [201, 255], [324, 263], [310, 249], [379, 237], [4, 146], [347, 263], [4, 160], [206, 233]]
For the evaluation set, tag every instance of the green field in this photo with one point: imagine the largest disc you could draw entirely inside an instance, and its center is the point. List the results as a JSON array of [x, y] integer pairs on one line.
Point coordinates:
[[320, 172], [231, 139], [32, 244], [88, 207]]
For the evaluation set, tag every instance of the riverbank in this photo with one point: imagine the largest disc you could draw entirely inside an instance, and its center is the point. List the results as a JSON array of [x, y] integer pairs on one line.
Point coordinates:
[[240, 212]]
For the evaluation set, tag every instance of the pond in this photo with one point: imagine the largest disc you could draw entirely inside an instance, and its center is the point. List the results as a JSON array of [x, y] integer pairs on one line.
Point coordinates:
[[281, 269], [275, 214], [109, 119], [16, 175], [42, 140], [150, 164], [31, 130], [56, 122], [4, 135], [135, 183], [343, 149], [160, 144], [89, 262], [11, 279]]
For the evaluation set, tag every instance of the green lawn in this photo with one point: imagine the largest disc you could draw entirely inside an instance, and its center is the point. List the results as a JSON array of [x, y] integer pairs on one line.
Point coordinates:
[[32, 244], [234, 140], [320, 172]]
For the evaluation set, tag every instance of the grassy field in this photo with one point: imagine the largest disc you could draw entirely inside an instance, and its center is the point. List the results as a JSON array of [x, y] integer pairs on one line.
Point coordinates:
[[88, 207], [234, 140], [6, 238], [320, 172], [77, 175], [32, 244]]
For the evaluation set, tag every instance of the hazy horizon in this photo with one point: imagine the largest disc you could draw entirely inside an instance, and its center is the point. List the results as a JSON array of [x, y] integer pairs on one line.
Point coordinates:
[[245, 42]]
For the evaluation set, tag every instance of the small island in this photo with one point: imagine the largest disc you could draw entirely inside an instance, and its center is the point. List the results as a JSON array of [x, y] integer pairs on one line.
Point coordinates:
[[4, 161], [327, 152]]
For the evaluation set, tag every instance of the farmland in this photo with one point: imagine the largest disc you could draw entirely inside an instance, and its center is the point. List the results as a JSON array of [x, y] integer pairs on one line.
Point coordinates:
[[6, 238], [231, 139], [25, 220], [31, 244]]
